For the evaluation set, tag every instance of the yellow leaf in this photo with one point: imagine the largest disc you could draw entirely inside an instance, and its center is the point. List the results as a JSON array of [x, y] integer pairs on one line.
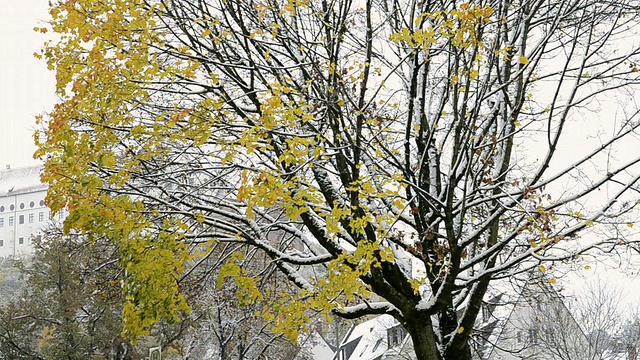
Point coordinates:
[[587, 267], [386, 255], [542, 268], [207, 32], [460, 330], [630, 225], [553, 281], [589, 223], [524, 60]]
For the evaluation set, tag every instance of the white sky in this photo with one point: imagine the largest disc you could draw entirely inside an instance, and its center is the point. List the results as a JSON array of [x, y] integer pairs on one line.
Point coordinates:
[[26, 86]]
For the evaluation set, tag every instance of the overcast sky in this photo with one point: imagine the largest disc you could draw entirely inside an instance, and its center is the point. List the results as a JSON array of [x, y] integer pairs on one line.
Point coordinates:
[[26, 86]]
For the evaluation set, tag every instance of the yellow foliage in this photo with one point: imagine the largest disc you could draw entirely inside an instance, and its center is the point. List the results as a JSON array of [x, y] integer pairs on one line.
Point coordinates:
[[247, 291], [458, 26], [45, 337]]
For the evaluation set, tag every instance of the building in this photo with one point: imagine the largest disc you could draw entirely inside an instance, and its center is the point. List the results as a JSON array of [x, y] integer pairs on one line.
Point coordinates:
[[379, 338], [537, 326], [23, 213]]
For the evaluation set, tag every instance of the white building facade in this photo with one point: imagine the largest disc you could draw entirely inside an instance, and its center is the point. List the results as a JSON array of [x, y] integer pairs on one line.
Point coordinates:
[[23, 213]]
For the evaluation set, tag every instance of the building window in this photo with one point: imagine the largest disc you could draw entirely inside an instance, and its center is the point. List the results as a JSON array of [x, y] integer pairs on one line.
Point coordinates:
[[363, 350], [395, 335], [41, 202], [61, 215], [519, 337], [10, 220], [20, 241], [12, 207], [31, 216], [41, 216], [21, 206], [32, 204], [485, 312], [1, 222], [21, 219], [2, 208], [1, 242], [375, 347]]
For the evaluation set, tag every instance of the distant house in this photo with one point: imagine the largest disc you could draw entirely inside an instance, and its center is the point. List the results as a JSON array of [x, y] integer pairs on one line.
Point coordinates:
[[23, 212], [624, 350], [380, 338], [631, 352], [538, 325]]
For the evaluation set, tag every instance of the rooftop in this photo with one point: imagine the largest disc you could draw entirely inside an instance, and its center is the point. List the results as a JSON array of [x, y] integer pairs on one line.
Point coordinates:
[[20, 180], [370, 340]]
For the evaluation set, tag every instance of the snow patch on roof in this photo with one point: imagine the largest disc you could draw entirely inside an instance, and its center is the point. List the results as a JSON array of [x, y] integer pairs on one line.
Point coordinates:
[[21, 180], [317, 347], [372, 335]]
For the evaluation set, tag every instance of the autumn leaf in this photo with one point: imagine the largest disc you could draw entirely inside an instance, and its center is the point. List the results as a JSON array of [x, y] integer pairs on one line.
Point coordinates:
[[523, 60]]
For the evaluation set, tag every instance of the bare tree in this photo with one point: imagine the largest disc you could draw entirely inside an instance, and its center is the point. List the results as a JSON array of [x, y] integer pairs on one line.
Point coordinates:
[[600, 309], [356, 143]]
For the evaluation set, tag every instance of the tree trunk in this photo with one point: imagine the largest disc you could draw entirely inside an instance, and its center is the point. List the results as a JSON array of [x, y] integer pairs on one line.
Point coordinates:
[[425, 343], [424, 340], [458, 354]]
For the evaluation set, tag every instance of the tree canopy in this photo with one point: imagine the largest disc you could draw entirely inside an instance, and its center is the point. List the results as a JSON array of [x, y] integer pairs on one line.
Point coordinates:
[[388, 156], [68, 305]]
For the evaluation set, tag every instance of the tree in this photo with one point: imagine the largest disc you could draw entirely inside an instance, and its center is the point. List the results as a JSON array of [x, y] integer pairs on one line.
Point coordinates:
[[601, 315], [356, 143], [610, 325], [69, 307]]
